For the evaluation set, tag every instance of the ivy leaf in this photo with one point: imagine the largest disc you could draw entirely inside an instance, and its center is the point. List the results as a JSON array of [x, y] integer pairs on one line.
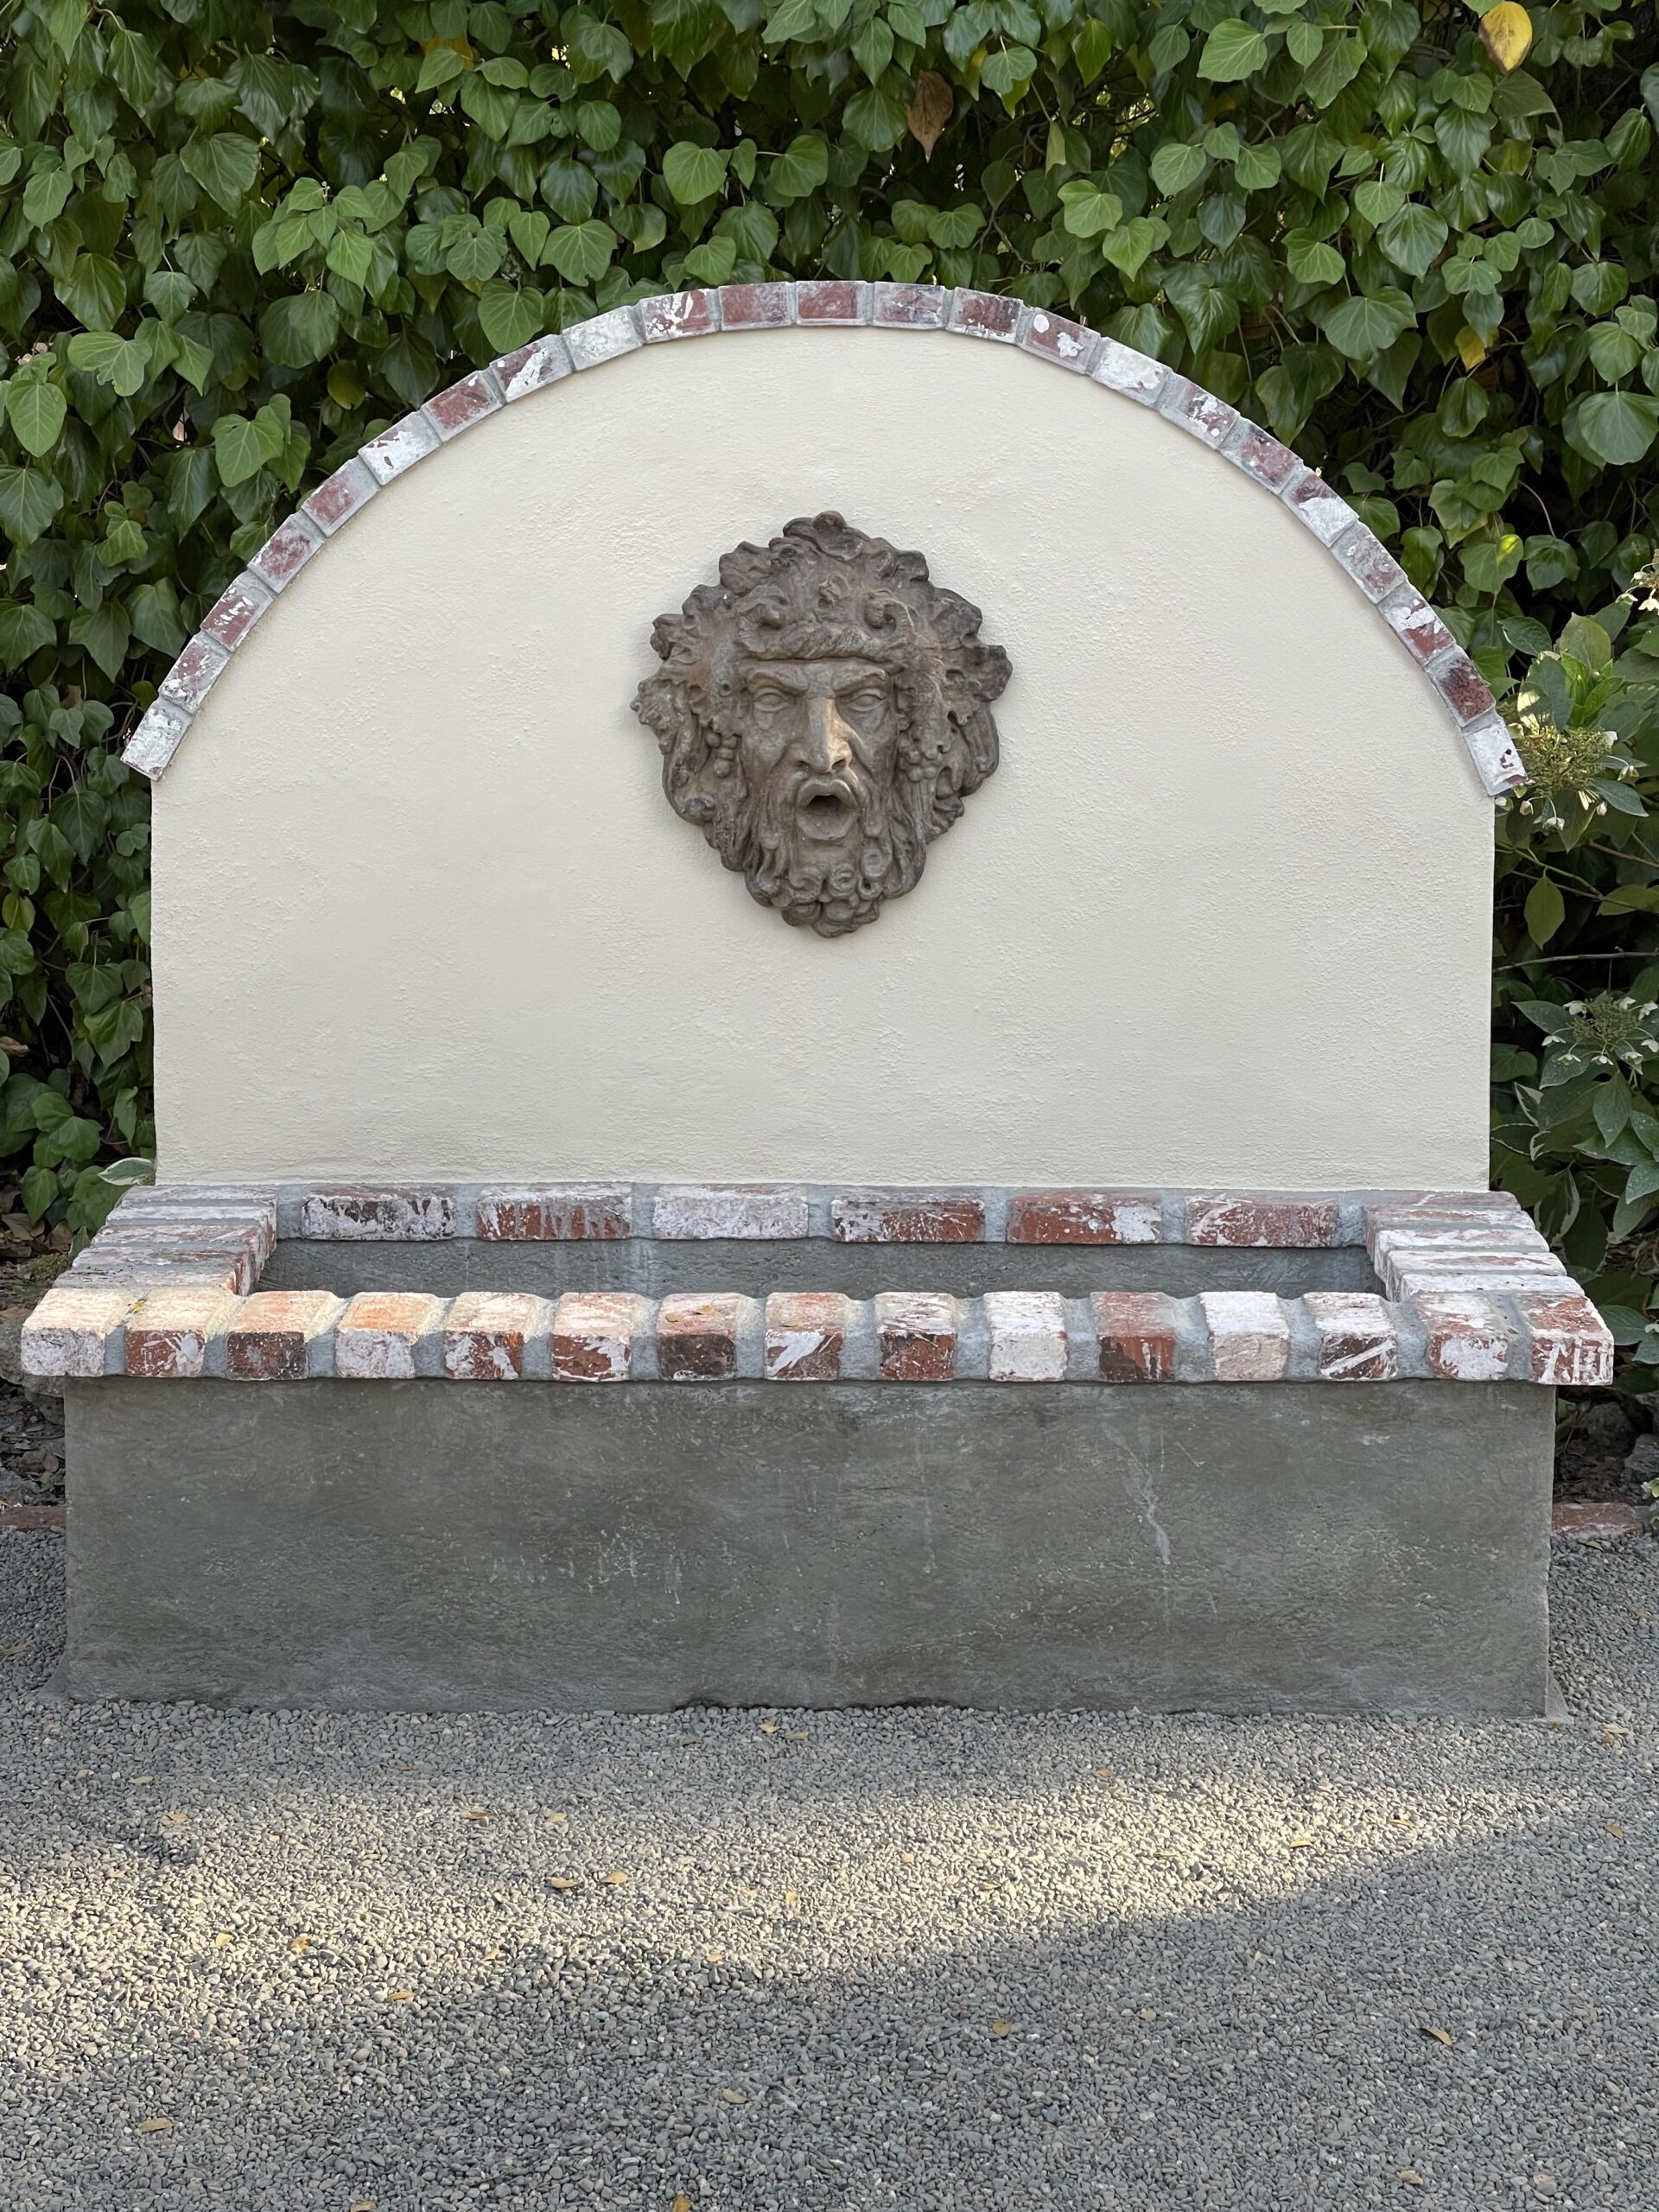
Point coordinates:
[[509, 318], [713, 262], [1088, 210], [876, 119], [1546, 910], [1368, 323], [30, 498], [238, 448], [581, 252], [1006, 72], [104, 630], [929, 111], [1335, 66], [23, 630], [1616, 428], [223, 165], [1128, 248], [1174, 167], [94, 291], [299, 329], [1233, 50], [1311, 260], [873, 47], [1257, 168], [693, 173], [1506, 34], [1412, 238], [800, 168], [35, 409]]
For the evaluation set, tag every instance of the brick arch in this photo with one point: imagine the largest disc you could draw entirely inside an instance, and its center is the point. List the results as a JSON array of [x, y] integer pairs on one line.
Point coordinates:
[[832, 304]]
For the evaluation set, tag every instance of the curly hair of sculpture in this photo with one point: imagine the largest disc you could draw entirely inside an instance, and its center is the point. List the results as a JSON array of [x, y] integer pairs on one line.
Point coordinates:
[[822, 712]]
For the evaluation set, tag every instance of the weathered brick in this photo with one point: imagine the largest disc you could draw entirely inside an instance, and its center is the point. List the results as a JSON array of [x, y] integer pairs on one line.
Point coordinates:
[[1259, 454], [701, 1211], [1414, 622], [985, 314], [1461, 685], [1492, 747], [679, 314], [341, 496], [826, 299], [753, 307], [1135, 376], [169, 1334], [916, 1335], [593, 1333], [1235, 1217], [1593, 1520], [271, 1335], [909, 307], [1359, 1342], [1424, 1266], [285, 552], [485, 1332], [604, 338], [907, 1218], [1567, 1342], [1055, 338], [399, 446], [1193, 408], [1027, 1336], [1324, 512], [1135, 1331], [1402, 1207], [1249, 1337], [1467, 1337], [467, 401], [194, 673], [401, 1217], [1368, 562], [236, 610], [1085, 1218], [75, 1330], [138, 1258], [805, 1331], [697, 1337], [561, 1212], [379, 1332], [532, 368], [152, 744], [1401, 1246]]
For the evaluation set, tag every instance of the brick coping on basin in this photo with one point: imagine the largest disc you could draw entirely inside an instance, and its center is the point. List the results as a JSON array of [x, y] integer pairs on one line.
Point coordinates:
[[752, 310], [169, 1288]]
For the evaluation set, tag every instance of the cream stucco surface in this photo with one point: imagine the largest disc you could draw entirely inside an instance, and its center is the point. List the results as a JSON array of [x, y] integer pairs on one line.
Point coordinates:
[[1220, 916]]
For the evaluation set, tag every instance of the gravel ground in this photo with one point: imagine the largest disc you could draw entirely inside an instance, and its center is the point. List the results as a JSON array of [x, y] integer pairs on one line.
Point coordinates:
[[914, 1958]]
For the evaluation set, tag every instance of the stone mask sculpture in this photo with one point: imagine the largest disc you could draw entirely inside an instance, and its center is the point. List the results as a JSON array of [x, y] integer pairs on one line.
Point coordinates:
[[822, 711]]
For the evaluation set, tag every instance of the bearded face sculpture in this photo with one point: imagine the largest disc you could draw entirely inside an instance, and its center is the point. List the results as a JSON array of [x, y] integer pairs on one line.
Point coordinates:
[[822, 711]]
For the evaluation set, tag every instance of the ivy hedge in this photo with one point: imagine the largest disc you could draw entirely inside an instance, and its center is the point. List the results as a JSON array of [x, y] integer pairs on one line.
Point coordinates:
[[1420, 243]]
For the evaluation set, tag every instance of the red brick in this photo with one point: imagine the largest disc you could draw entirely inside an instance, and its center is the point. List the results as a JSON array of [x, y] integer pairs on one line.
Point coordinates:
[[909, 307], [286, 551], [985, 314], [485, 1332], [1136, 376], [1135, 1330], [1237, 1219], [379, 1332], [1463, 687], [236, 610], [532, 368], [1568, 1341], [464, 403], [169, 1334], [907, 1218], [270, 1334], [679, 314], [194, 673], [341, 496], [697, 1337], [1468, 1338], [401, 1217], [916, 1335], [1359, 1342], [1324, 512], [1372, 567], [1259, 454], [805, 1331], [593, 1333], [1418, 627], [399, 446], [753, 307], [827, 300], [1593, 1520], [697, 1211], [1198, 410], [1249, 1337], [1085, 1218], [1055, 338], [69, 1332], [561, 1212]]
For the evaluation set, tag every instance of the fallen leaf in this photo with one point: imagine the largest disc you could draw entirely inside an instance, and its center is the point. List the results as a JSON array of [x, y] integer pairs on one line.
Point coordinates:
[[1613, 1830], [223, 1940], [713, 1958], [1410, 2174], [175, 1820], [1146, 2012], [553, 1820], [494, 1951], [15, 1650], [1300, 1843], [561, 1882], [613, 1881], [400, 1996], [300, 1944], [734, 2097], [477, 1813], [768, 1727], [364, 2204], [154, 2126], [681, 2205], [139, 1780], [796, 1735], [792, 1897], [407, 1766], [929, 110], [1001, 2027], [1439, 2034], [1506, 34], [907, 1858], [1401, 1820], [1612, 1732], [1106, 1770]]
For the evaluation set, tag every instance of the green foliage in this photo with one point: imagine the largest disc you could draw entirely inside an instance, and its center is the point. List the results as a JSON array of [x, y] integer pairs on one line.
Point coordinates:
[[235, 241]]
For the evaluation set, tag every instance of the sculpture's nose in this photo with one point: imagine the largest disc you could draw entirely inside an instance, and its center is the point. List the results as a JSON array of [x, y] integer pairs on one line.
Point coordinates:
[[828, 748]]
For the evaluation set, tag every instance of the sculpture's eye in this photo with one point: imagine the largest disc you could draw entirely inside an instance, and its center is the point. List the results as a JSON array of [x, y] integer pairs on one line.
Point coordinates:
[[861, 705], [770, 698]]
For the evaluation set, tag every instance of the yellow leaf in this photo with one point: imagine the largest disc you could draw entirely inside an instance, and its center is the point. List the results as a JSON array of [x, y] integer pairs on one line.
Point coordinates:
[[1472, 347], [1401, 1820], [734, 2096], [300, 1944], [1439, 2034], [1146, 2012], [713, 1958], [792, 1897], [175, 1820], [613, 1881], [561, 1882], [477, 1813], [399, 1996], [223, 1940], [681, 2205], [768, 1727], [364, 2204], [1410, 2174], [1506, 34], [494, 1951], [1300, 1843], [1613, 1830], [139, 1780], [552, 1820], [929, 110], [1001, 2027], [1106, 1770], [907, 1858], [796, 1735], [154, 2126]]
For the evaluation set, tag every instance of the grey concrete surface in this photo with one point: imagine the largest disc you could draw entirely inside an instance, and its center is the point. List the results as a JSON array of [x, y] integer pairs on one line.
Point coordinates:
[[1294, 1547], [928, 1960], [657, 1269]]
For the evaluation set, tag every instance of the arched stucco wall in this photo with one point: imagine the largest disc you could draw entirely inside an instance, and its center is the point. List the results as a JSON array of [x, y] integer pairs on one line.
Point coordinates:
[[1220, 916]]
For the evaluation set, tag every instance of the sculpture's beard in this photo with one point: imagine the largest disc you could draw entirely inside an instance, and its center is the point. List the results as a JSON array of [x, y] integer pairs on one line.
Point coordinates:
[[825, 850]]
